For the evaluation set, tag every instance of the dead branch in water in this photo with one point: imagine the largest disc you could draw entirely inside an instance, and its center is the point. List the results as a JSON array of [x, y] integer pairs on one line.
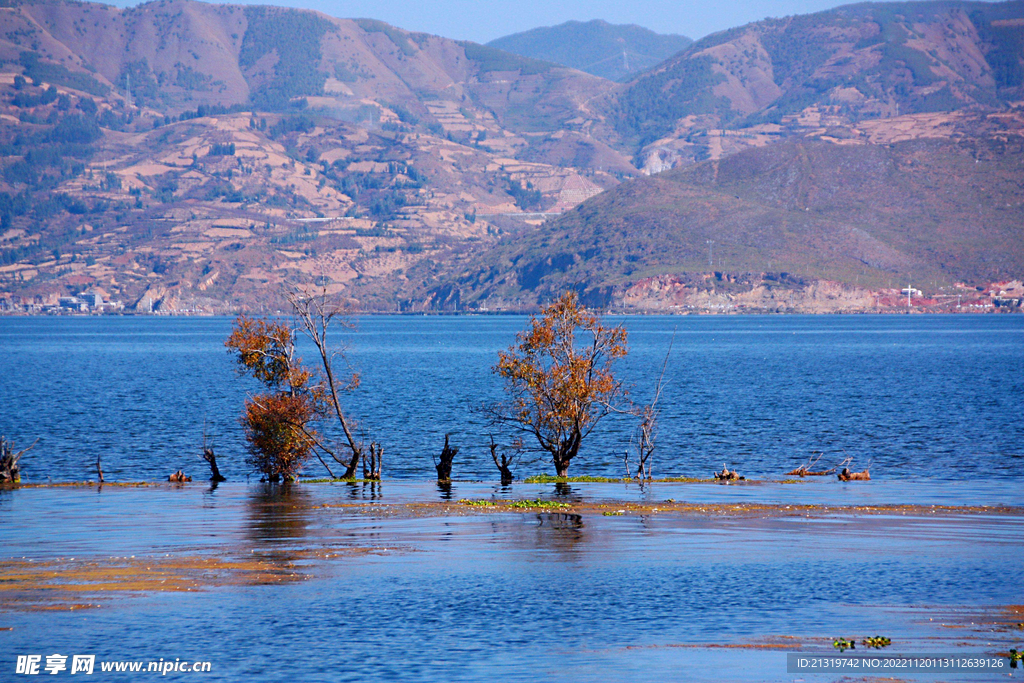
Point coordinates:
[[726, 475], [503, 466], [372, 464], [806, 471], [642, 440], [444, 465], [847, 475], [209, 457], [315, 312], [10, 471]]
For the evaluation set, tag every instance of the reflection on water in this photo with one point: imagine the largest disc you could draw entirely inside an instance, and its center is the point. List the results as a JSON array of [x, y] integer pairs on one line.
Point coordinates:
[[522, 596], [363, 490], [279, 514]]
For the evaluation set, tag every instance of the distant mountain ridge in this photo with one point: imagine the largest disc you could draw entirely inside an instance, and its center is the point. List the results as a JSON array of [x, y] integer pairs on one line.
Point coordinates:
[[192, 156], [855, 62], [612, 51]]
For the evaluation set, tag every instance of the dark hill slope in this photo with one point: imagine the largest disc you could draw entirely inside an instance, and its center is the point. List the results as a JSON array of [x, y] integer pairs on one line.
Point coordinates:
[[610, 51], [932, 210]]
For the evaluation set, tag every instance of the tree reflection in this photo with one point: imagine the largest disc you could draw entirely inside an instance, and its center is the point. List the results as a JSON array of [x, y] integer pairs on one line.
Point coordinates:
[[279, 514]]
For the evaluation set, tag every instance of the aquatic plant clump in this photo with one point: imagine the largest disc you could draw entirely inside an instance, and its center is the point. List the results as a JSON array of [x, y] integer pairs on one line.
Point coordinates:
[[844, 644]]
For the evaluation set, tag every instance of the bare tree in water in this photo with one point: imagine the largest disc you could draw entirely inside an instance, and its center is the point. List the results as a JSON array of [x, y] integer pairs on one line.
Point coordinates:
[[643, 440]]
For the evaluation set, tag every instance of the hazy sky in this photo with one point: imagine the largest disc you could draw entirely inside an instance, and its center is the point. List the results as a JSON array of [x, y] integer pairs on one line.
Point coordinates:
[[484, 20]]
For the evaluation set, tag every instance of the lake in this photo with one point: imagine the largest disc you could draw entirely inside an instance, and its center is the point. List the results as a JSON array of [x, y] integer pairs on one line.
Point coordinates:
[[920, 397], [605, 582]]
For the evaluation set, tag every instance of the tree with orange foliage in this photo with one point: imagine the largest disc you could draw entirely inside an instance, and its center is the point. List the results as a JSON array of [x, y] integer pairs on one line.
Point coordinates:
[[277, 422], [558, 378], [280, 423]]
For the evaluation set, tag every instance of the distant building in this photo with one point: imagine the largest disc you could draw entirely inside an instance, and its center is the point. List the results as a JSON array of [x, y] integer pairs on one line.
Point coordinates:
[[73, 303], [93, 298]]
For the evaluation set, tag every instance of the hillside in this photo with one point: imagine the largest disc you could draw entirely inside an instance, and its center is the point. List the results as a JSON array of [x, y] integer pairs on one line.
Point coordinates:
[[932, 212], [611, 51], [855, 63], [182, 156]]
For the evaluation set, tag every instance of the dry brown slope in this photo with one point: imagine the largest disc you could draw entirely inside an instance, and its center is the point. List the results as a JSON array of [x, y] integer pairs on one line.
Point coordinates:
[[854, 63]]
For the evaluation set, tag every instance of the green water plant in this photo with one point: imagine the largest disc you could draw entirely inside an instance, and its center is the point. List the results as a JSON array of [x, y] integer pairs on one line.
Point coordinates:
[[538, 503], [877, 642], [548, 479], [844, 644], [1015, 656]]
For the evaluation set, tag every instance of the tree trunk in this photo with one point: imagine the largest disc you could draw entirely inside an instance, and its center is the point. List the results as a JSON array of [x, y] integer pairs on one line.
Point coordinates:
[[352, 466], [566, 452], [444, 465], [371, 465], [10, 472], [502, 465], [210, 458]]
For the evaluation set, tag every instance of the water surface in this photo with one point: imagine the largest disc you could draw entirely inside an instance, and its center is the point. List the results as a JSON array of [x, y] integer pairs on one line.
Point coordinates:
[[919, 397]]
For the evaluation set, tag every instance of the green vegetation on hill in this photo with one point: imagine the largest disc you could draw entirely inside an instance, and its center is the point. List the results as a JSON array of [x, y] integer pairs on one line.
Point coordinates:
[[396, 36], [491, 59], [652, 104], [295, 38], [610, 51], [60, 75], [1006, 53], [858, 214]]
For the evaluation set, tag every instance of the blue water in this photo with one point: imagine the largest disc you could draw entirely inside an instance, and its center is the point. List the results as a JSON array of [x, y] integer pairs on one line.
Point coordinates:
[[506, 596], [933, 404], [918, 397]]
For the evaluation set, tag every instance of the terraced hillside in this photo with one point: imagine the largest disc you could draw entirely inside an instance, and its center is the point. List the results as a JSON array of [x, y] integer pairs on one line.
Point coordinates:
[[181, 156]]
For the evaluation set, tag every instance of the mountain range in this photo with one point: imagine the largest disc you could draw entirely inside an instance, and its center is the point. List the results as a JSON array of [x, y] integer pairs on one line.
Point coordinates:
[[615, 52], [181, 156]]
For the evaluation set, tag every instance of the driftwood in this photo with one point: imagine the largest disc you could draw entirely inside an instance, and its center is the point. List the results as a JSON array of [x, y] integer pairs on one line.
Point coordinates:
[[444, 465], [726, 475], [10, 471], [806, 471], [502, 465], [371, 464], [803, 472], [179, 477], [211, 459], [847, 475]]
